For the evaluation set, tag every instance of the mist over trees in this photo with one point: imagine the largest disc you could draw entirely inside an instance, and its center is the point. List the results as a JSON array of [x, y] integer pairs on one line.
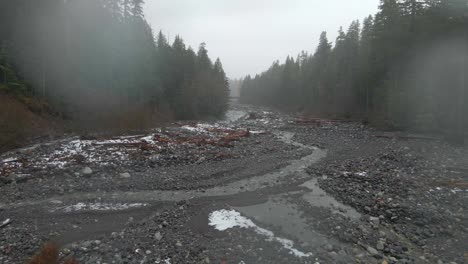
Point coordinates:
[[96, 59], [405, 68], [235, 86]]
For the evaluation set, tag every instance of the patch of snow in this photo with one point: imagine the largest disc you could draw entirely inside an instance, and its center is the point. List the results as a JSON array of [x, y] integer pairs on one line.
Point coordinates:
[[192, 129], [149, 139], [454, 190], [362, 174], [99, 207], [226, 219], [264, 121]]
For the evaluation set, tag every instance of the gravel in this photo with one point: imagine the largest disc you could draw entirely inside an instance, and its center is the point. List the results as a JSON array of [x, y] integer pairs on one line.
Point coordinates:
[[411, 196]]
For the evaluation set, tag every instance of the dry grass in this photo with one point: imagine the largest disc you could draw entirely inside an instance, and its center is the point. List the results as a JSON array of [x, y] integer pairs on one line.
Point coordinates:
[[18, 122], [49, 254]]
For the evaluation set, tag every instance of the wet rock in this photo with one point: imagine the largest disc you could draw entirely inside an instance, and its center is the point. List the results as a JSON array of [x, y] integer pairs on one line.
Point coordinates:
[[380, 245], [158, 236], [374, 220], [125, 175], [372, 251], [87, 171], [86, 244]]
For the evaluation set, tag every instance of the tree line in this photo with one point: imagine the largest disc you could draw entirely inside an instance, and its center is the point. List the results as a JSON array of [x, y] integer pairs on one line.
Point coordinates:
[[403, 68], [93, 59]]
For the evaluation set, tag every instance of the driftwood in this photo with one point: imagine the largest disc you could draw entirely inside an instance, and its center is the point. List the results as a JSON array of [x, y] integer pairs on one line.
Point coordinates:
[[9, 161], [121, 144], [319, 121], [453, 183], [5, 223], [406, 136], [457, 169], [128, 137]]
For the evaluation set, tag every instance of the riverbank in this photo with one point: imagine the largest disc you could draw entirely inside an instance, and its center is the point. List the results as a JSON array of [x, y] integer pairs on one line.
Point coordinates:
[[259, 187]]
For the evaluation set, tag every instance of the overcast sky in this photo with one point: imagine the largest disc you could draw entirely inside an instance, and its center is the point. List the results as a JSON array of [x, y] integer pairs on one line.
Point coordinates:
[[248, 35]]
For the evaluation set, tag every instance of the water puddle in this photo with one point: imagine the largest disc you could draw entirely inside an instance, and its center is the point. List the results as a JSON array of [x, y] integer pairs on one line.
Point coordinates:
[[224, 219], [283, 216], [319, 198]]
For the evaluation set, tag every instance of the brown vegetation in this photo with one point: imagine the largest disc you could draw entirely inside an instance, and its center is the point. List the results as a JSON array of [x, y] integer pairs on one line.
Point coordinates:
[[49, 254], [23, 120]]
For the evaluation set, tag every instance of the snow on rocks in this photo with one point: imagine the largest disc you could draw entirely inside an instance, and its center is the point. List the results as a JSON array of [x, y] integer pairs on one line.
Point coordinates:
[[98, 207], [226, 219]]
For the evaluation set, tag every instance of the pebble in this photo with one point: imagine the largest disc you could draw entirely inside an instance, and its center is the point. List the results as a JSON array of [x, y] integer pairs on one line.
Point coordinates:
[[374, 220], [158, 236], [125, 175], [87, 171], [372, 251], [380, 245], [329, 247]]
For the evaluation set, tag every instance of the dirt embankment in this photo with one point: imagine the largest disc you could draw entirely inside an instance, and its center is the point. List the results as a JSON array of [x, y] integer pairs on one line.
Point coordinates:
[[25, 120]]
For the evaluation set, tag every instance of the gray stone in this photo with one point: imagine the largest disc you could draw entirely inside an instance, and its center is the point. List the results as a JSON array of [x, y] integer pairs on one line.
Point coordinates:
[[380, 245], [125, 175], [374, 220], [87, 171], [158, 236], [329, 247], [372, 251]]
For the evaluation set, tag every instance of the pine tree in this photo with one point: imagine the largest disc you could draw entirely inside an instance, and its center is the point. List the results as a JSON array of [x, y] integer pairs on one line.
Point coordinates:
[[137, 8]]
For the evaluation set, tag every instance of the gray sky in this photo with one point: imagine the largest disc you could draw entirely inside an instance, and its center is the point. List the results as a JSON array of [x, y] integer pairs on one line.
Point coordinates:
[[248, 35]]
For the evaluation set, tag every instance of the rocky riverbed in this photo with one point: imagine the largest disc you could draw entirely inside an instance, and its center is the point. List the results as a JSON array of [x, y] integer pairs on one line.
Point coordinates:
[[258, 187]]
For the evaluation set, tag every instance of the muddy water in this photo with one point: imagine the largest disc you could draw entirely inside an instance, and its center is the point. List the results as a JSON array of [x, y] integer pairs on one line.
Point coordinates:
[[280, 214], [319, 198]]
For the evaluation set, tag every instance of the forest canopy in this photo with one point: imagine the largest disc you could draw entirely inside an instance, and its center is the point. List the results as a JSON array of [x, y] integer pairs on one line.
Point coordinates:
[[404, 67], [96, 59]]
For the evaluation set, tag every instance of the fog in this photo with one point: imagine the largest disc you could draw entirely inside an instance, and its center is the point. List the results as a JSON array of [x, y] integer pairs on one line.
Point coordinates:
[[248, 35]]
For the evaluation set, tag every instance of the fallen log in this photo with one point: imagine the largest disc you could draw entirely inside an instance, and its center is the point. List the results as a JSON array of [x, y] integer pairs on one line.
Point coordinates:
[[128, 137], [5, 223], [457, 169], [453, 183], [9, 161], [121, 144], [407, 136]]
